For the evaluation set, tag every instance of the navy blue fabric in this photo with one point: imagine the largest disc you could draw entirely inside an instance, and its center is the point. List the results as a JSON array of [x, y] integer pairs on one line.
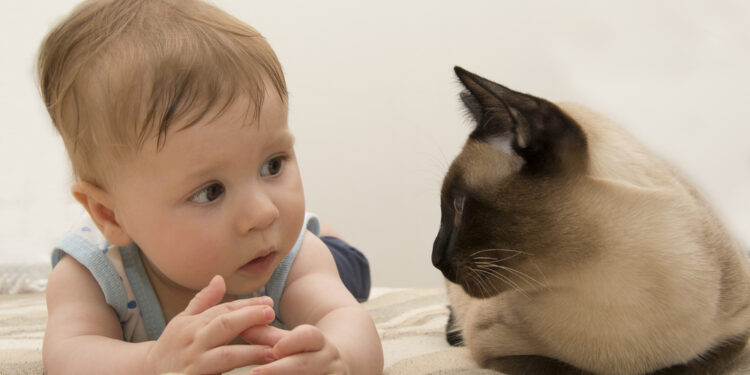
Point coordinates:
[[353, 267]]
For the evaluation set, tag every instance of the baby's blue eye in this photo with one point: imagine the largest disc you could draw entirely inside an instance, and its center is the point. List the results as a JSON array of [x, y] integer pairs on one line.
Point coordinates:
[[208, 194], [273, 166]]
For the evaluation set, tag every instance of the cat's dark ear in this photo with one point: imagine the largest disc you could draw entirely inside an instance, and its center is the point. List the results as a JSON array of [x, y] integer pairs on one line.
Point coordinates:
[[535, 129], [472, 106]]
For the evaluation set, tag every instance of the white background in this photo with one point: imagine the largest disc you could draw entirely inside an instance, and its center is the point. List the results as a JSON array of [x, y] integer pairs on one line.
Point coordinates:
[[374, 104]]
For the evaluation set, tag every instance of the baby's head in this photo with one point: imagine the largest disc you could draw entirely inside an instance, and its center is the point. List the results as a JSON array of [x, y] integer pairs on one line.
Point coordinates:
[[175, 119], [115, 75]]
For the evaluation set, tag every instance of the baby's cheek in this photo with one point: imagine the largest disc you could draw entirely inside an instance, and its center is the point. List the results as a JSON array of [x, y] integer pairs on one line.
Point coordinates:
[[199, 259]]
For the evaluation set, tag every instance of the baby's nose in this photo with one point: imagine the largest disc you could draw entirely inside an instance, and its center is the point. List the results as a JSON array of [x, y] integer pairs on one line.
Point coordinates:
[[256, 211]]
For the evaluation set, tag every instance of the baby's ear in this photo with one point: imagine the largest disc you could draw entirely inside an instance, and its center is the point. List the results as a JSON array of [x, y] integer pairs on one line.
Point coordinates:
[[99, 205]]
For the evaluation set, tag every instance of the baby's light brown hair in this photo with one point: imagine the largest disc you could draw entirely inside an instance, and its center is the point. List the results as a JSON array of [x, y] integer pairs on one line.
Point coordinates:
[[117, 73]]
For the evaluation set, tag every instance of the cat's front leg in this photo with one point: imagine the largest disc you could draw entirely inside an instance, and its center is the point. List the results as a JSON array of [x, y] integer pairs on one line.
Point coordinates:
[[531, 365], [452, 331]]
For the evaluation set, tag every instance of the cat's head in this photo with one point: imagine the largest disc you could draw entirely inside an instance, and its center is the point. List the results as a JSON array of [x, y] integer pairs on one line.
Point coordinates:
[[504, 198]]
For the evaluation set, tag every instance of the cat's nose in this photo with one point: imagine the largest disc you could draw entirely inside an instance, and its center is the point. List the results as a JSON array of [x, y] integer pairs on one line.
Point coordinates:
[[438, 251], [437, 258], [442, 256]]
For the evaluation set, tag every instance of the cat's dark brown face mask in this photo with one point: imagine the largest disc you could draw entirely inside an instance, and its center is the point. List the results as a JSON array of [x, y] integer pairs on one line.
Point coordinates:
[[504, 198]]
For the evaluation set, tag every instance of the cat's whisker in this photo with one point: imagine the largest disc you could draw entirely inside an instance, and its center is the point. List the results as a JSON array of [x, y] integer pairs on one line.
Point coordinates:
[[524, 276], [501, 277], [493, 286], [484, 258], [484, 284], [514, 254], [438, 164], [488, 261], [477, 279], [499, 250], [495, 260], [478, 268], [487, 265], [539, 270]]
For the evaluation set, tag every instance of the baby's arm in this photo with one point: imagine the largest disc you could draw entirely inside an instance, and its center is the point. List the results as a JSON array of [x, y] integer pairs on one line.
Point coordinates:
[[84, 336], [332, 332]]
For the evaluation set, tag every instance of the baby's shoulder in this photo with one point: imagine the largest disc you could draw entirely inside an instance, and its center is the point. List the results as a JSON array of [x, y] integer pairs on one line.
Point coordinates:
[[313, 256], [71, 282]]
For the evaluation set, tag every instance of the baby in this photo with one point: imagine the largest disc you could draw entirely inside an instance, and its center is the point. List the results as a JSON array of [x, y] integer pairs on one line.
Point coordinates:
[[201, 257]]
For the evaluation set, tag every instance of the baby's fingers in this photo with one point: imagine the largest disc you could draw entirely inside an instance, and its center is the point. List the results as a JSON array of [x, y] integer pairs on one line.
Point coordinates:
[[238, 304], [229, 357], [303, 363], [263, 335], [304, 338], [225, 327], [207, 297]]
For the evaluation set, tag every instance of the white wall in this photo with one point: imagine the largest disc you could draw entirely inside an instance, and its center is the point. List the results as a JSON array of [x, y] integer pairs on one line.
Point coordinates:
[[375, 110]]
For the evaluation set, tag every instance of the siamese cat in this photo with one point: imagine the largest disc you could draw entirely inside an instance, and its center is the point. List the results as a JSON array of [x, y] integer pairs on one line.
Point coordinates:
[[570, 249]]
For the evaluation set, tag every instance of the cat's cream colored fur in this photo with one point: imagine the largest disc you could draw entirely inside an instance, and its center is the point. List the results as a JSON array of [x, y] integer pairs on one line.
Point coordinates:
[[661, 283]]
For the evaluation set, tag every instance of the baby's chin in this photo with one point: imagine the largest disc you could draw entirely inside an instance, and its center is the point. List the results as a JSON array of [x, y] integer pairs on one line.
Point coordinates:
[[246, 289], [243, 284]]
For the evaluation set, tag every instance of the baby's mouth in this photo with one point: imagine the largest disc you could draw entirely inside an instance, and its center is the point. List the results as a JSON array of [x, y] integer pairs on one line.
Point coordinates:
[[260, 263]]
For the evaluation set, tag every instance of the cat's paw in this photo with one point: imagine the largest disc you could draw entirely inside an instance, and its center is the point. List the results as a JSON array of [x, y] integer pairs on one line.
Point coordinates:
[[452, 332]]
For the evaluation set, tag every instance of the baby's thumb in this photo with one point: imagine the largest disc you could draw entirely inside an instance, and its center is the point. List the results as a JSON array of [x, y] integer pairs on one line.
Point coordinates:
[[207, 297]]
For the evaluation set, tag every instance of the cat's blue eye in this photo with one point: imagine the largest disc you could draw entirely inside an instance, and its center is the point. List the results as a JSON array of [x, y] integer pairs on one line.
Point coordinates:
[[208, 194], [458, 203], [273, 166]]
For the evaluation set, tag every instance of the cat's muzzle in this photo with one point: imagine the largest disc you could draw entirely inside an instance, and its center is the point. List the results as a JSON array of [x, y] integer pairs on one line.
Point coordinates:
[[441, 256]]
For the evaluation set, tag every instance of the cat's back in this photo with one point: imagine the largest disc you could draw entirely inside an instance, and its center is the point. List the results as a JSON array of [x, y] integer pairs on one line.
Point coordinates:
[[651, 213], [615, 155], [631, 181]]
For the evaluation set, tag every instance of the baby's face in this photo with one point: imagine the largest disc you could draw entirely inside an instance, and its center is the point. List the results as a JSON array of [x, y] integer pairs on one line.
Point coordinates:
[[221, 197]]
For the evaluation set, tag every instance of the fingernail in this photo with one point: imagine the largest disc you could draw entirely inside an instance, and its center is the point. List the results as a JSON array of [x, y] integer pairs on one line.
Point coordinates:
[[267, 300], [269, 354], [255, 371], [268, 314]]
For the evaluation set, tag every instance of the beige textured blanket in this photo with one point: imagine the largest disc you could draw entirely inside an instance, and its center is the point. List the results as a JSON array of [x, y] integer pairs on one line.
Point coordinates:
[[411, 323]]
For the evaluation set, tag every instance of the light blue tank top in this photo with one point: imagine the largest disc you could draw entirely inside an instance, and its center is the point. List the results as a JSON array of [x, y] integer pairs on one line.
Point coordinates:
[[122, 278]]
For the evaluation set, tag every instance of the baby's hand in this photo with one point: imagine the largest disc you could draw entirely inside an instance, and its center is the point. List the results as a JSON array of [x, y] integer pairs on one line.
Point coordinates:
[[303, 350], [195, 341]]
